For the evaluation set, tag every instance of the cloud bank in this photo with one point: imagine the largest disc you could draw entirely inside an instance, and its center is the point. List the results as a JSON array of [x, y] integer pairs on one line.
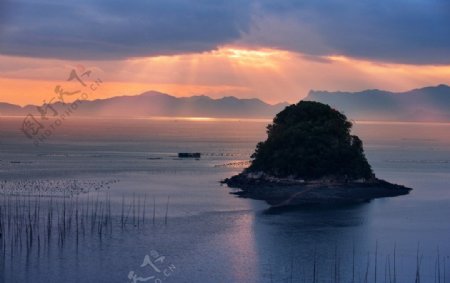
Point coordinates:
[[401, 31], [116, 29]]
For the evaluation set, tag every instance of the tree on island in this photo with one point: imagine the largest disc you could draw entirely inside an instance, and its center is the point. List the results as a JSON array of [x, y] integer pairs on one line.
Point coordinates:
[[310, 140]]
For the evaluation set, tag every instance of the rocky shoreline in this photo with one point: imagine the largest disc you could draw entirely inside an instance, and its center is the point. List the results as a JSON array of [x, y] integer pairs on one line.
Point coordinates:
[[292, 192]]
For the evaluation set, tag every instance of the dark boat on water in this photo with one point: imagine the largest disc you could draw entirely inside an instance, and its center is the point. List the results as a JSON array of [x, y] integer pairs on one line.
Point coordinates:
[[189, 155]]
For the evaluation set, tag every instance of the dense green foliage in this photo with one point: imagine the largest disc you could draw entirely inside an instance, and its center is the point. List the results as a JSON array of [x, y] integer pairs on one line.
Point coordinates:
[[310, 140]]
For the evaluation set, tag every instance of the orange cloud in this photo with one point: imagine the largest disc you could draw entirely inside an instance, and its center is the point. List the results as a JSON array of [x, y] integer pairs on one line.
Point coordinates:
[[269, 74]]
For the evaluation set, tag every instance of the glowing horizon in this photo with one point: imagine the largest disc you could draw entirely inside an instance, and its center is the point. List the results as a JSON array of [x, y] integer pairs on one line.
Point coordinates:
[[272, 75]]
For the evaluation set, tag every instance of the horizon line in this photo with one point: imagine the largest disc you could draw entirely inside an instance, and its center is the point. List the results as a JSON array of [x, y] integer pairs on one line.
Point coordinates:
[[239, 98]]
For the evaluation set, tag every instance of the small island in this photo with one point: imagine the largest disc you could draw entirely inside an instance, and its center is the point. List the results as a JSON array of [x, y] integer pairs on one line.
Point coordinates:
[[310, 157]]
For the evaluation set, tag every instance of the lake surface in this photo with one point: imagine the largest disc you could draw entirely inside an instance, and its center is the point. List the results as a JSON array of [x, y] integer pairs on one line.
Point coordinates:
[[208, 235]]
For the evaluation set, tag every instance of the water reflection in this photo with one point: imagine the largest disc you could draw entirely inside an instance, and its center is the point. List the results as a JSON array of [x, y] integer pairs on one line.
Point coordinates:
[[290, 241]]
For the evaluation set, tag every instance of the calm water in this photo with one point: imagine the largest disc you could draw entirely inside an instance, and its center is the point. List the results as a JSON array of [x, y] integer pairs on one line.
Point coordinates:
[[212, 236]]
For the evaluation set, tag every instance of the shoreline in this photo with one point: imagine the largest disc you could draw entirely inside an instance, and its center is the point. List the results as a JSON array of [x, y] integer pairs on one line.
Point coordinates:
[[287, 192]]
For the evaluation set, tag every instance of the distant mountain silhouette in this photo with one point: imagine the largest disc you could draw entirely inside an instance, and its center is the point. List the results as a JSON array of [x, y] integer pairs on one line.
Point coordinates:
[[159, 104], [424, 104]]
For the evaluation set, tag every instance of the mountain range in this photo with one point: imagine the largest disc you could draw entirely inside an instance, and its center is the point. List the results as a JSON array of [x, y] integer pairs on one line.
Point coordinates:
[[157, 104], [428, 104], [424, 104]]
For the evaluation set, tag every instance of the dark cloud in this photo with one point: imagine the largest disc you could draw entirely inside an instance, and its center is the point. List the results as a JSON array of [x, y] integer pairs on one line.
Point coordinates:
[[405, 31], [105, 29]]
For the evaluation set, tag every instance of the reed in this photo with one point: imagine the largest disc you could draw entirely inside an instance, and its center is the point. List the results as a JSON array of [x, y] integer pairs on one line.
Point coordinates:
[[353, 262], [167, 210], [154, 210], [418, 261], [37, 222], [376, 262], [366, 276]]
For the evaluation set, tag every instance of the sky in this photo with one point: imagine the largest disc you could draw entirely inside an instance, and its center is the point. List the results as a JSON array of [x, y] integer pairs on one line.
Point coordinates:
[[273, 50]]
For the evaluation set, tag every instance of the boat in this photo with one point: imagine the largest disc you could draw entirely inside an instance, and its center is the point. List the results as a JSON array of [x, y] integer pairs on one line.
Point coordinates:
[[189, 155]]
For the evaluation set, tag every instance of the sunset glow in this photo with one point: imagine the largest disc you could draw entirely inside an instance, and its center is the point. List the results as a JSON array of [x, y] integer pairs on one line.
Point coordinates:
[[269, 74]]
